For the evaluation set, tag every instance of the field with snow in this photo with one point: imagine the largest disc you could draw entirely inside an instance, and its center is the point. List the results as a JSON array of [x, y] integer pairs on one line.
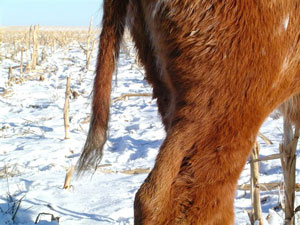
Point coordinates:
[[34, 156]]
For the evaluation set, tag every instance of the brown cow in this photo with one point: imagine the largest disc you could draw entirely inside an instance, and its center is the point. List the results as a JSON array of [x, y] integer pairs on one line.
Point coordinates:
[[218, 68]]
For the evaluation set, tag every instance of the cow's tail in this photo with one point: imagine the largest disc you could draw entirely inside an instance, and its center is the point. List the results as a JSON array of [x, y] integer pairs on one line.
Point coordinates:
[[113, 23]]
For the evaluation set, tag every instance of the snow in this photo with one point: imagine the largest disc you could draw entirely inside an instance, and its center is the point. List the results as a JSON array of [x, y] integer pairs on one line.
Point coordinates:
[[34, 156]]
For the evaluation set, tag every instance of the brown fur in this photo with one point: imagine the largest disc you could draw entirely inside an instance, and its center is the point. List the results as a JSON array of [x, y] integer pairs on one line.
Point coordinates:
[[218, 68]]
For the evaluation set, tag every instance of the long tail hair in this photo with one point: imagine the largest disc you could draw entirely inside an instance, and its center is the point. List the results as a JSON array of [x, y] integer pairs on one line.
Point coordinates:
[[113, 23]]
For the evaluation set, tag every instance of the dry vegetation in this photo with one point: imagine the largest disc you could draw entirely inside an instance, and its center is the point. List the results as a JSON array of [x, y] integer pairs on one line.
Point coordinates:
[[28, 47], [23, 56], [29, 53]]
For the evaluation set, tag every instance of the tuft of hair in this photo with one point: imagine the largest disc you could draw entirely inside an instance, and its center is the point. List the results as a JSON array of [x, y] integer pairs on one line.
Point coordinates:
[[113, 24], [93, 149]]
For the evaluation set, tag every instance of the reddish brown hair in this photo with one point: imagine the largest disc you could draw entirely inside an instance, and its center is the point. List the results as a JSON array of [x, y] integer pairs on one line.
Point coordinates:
[[218, 68]]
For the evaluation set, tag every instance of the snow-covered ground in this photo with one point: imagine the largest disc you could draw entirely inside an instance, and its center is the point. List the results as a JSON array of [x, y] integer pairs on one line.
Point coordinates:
[[34, 156]]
